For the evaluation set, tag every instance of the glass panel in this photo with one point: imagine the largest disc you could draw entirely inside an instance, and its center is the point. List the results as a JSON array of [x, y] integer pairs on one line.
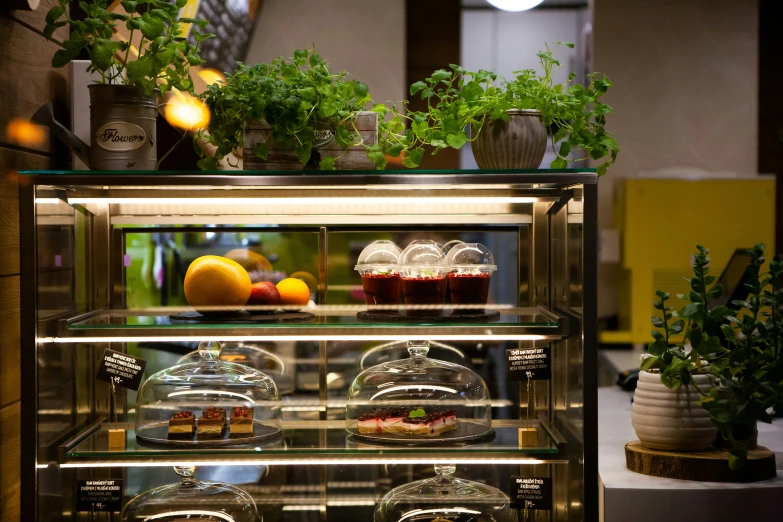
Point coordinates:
[[416, 172]]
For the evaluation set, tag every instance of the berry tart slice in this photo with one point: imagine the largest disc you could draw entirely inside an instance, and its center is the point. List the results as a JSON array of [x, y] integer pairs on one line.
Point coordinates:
[[407, 421]]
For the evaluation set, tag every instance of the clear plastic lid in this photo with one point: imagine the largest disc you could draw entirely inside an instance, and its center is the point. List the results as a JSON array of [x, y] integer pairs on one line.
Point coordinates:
[[192, 499], [445, 497], [380, 257], [451, 244], [471, 257], [423, 258]]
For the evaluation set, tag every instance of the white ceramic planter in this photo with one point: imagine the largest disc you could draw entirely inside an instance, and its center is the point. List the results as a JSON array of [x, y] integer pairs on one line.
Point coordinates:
[[666, 419]]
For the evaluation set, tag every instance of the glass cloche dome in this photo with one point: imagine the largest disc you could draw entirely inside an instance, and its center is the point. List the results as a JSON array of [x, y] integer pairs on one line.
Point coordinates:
[[419, 400], [208, 403], [191, 499], [445, 498]]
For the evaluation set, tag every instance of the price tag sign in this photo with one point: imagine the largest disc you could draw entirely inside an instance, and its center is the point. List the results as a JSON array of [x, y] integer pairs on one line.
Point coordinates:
[[523, 361], [531, 492], [94, 495], [121, 369]]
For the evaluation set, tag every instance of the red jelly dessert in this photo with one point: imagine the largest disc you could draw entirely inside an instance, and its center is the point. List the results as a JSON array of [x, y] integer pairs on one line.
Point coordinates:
[[424, 290], [381, 289], [469, 289]]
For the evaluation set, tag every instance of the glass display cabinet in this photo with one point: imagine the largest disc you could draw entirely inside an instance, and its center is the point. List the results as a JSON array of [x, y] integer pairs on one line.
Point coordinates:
[[445, 373]]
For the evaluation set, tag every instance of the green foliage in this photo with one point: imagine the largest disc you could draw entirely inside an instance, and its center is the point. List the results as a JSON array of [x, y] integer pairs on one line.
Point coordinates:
[[739, 346], [296, 97], [458, 99], [164, 58]]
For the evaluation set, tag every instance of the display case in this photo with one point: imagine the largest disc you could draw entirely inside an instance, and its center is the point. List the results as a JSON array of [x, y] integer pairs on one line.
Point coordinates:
[[484, 367]]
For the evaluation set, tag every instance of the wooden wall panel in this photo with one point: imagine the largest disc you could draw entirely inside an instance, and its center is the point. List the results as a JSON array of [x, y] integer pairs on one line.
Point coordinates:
[[9, 340], [27, 79], [36, 20], [12, 161], [10, 449]]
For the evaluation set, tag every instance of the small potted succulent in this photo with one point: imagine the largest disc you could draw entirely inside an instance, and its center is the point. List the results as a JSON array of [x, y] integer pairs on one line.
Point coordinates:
[[726, 361], [295, 113], [508, 121], [133, 74]]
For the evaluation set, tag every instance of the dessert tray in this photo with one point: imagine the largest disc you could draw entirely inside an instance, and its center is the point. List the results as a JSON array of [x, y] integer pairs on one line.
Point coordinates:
[[243, 317], [419, 400], [208, 403]]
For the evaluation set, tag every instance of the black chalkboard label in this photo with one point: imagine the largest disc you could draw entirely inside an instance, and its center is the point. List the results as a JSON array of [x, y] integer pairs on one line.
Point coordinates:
[[95, 495], [535, 361], [531, 492], [121, 369]]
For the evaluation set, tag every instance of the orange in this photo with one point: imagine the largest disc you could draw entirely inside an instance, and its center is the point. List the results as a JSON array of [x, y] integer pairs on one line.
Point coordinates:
[[249, 259], [308, 278], [293, 292], [216, 284]]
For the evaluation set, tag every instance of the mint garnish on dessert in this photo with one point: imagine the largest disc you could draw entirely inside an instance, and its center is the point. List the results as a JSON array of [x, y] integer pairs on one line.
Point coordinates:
[[419, 412]]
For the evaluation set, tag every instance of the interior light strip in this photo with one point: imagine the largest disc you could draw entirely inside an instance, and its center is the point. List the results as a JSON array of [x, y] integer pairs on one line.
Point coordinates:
[[302, 201], [283, 338], [302, 462], [47, 201]]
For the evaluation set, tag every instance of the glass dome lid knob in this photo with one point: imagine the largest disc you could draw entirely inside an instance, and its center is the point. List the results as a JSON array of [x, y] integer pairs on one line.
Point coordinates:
[[418, 348], [185, 471], [209, 350], [444, 470]]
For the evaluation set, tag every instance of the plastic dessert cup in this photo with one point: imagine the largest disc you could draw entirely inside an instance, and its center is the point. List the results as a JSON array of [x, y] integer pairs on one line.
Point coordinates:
[[472, 265], [378, 266], [423, 270], [381, 288]]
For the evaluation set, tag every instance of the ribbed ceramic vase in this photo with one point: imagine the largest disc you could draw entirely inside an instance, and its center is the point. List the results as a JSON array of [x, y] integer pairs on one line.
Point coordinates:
[[670, 420], [518, 143]]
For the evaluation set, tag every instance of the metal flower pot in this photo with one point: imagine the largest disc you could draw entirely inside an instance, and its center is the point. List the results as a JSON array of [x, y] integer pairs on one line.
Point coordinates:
[[518, 143], [122, 127]]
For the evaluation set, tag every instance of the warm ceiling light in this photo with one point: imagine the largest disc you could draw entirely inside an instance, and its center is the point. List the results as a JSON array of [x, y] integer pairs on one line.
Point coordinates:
[[515, 5], [211, 76]]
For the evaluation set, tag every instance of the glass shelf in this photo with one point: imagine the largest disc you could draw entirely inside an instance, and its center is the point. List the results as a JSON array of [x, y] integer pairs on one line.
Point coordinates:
[[328, 323], [310, 442], [413, 172]]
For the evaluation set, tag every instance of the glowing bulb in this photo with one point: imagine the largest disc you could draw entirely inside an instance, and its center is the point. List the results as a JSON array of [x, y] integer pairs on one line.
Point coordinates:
[[515, 5], [186, 112], [24, 133], [211, 76]]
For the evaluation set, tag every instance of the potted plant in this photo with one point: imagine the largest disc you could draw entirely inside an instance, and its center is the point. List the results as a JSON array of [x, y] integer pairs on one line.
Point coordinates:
[[730, 357], [155, 60], [508, 120], [295, 113]]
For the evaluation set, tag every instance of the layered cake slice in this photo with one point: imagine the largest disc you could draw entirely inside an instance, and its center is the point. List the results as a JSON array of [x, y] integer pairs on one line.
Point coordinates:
[[211, 423], [181, 425], [241, 422], [407, 421]]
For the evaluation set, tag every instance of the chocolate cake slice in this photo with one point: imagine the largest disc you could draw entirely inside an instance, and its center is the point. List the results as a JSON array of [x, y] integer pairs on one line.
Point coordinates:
[[181, 425], [211, 423], [241, 422]]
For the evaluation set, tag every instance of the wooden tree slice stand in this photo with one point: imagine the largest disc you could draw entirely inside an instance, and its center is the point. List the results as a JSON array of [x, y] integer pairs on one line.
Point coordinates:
[[704, 466]]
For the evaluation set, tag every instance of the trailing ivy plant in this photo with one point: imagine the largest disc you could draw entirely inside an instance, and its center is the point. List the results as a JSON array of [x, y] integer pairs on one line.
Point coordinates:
[[458, 99], [295, 97], [161, 56], [739, 346]]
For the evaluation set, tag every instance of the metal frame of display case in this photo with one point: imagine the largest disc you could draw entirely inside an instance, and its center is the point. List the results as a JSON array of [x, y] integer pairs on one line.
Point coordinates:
[[560, 269]]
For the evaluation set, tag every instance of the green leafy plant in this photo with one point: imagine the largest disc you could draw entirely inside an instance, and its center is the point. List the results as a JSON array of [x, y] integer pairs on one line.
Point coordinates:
[[740, 346], [458, 99], [161, 58], [295, 97]]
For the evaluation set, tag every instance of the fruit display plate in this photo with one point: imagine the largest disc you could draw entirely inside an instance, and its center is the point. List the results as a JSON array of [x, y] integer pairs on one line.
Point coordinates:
[[243, 317], [467, 432], [448, 316], [157, 434]]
